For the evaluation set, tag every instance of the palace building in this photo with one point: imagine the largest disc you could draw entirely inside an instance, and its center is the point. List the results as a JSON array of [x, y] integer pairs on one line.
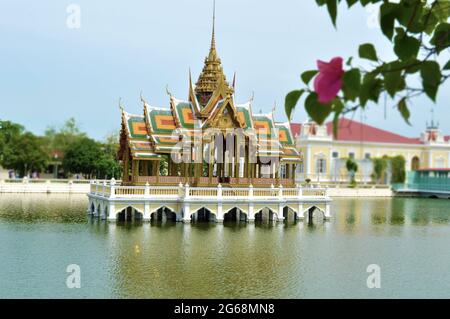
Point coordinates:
[[325, 156], [207, 139], [207, 158]]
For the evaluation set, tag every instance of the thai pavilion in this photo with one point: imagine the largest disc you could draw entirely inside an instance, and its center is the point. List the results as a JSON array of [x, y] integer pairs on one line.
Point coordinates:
[[206, 158], [207, 139]]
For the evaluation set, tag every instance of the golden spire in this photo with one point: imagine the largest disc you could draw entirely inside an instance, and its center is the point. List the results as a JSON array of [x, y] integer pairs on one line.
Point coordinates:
[[212, 72]]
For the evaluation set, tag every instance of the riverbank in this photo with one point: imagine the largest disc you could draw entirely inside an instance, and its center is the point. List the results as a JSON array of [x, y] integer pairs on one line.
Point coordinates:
[[82, 187]]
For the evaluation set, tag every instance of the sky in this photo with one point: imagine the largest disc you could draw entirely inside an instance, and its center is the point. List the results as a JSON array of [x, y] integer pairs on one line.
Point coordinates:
[[50, 72]]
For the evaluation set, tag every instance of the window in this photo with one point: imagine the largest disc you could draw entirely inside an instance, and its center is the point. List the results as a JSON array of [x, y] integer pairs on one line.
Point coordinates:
[[283, 172], [321, 165], [300, 168], [335, 154], [351, 155], [367, 156]]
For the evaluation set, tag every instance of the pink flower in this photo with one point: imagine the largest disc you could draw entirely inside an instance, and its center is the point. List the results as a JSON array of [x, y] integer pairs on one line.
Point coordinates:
[[328, 82]]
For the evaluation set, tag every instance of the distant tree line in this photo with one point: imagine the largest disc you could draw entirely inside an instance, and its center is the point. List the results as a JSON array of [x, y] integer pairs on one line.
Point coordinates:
[[77, 155]]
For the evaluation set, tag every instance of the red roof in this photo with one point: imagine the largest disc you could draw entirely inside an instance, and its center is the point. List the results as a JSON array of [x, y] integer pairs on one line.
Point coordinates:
[[295, 129], [349, 130]]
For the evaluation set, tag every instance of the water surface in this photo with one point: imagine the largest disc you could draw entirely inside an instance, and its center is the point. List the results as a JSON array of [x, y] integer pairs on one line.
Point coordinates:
[[408, 238]]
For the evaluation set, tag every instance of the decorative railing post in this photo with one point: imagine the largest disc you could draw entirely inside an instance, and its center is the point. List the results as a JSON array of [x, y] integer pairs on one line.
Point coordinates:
[[112, 192], [96, 187], [300, 190], [280, 191], [250, 191], [48, 187], [186, 190], [219, 191], [104, 188], [180, 190], [147, 190]]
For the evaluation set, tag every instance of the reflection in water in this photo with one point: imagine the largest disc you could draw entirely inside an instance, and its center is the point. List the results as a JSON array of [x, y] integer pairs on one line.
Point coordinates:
[[164, 259]]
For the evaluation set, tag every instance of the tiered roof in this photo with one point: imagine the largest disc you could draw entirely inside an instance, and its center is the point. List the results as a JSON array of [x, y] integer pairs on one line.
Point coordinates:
[[210, 105]]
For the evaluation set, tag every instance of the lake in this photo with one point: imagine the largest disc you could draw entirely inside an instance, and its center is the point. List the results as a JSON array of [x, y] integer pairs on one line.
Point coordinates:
[[409, 238]]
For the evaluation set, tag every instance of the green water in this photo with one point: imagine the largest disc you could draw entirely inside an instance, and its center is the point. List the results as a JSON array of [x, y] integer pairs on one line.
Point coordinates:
[[409, 239]]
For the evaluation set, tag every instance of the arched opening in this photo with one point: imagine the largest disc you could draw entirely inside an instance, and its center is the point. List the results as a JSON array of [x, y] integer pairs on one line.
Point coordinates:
[[129, 214], [289, 214], [235, 215], [415, 163], [314, 214], [265, 214], [433, 196], [164, 214], [99, 210], [203, 215], [92, 209]]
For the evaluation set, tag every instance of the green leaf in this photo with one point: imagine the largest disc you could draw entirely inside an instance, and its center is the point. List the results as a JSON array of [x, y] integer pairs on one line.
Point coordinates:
[[367, 51], [447, 66], [317, 111], [392, 82], [406, 47], [388, 14], [352, 84], [431, 78], [370, 89], [332, 10], [441, 37], [404, 111], [291, 101], [308, 75], [351, 2], [410, 15]]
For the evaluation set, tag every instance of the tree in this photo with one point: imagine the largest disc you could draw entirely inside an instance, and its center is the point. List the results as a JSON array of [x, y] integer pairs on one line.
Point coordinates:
[[398, 169], [82, 157], [92, 159], [24, 153], [60, 139], [352, 168], [379, 168], [420, 36], [8, 132]]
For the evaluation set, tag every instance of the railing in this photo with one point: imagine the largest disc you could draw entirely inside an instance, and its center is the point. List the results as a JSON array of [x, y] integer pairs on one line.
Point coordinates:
[[186, 191], [203, 192], [316, 192]]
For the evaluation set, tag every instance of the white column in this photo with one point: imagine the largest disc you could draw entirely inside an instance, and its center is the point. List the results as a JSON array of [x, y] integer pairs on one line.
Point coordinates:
[[219, 217], [251, 212], [280, 212], [186, 213], [300, 211], [430, 159], [327, 211], [112, 211], [308, 162], [146, 216]]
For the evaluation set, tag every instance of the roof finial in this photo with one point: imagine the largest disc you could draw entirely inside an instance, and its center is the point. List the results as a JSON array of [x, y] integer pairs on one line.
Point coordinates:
[[168, 91], [213, 38], [120, 104]]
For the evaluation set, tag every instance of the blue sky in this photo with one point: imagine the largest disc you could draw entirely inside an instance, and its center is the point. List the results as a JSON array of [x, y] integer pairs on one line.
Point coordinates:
[[49, 72]]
